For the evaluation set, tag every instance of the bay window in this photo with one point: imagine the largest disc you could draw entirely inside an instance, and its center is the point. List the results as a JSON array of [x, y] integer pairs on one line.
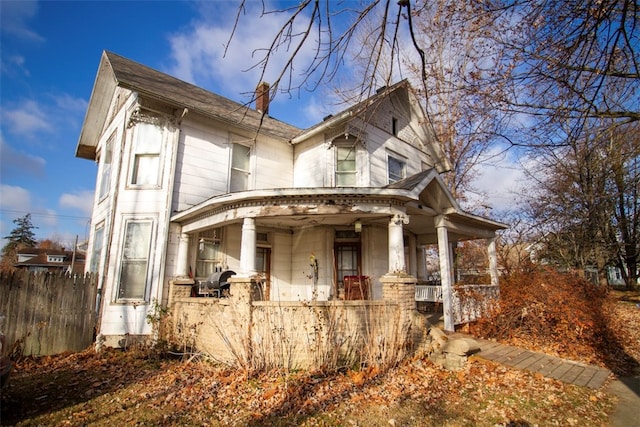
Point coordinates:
[[135, 260], [96, 250], [146, 158], [106, 159]]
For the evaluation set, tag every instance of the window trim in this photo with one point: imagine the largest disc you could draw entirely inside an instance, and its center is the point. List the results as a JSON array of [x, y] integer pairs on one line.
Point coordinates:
[[96, 257], [106, 154], [401, 160], [135, 155], [149, 260], [247, 173], [353, 147]]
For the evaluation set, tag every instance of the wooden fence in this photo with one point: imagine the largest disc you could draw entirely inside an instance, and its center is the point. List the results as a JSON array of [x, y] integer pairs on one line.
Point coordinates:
[[47, 313]]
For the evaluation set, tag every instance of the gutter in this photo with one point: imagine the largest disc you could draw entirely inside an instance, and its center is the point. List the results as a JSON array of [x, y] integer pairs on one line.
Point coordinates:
[[326, 125]]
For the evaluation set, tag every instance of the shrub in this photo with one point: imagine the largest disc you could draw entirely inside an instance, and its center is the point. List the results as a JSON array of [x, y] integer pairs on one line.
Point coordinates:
[[550, 310]]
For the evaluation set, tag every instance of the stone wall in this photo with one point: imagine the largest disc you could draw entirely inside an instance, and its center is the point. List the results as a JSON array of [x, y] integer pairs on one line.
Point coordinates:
[[251, 334]]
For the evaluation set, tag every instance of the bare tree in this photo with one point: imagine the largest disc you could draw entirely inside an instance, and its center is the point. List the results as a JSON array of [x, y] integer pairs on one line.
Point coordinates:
[[572, 61], [446, 48], [565, 58], [586, 207]]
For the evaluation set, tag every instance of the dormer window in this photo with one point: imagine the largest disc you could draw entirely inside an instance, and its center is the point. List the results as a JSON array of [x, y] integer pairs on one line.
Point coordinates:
[[55, 258]]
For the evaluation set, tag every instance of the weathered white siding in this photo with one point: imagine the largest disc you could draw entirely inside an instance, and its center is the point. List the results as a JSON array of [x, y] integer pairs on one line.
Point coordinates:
[[310, 164], [375, 256], [281, 254], [273, 165], [308, 241], [202, 167]]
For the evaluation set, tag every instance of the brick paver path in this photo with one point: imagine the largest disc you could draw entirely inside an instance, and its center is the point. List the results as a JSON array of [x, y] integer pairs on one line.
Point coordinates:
[[554, 367]]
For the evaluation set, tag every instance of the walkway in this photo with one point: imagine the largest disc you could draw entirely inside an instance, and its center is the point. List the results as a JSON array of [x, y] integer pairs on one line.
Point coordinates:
[[553, 367]]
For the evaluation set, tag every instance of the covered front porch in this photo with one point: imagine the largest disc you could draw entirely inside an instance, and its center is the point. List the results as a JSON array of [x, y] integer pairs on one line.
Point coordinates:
[[324, 244]]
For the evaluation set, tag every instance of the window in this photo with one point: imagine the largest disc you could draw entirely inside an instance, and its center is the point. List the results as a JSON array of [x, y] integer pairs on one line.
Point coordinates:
[[96, 251], [346, 166], [347, 260], [208, 257], [135, 260], [240, 161], [394, 126], [105, 174], [396, 169], [146, 161]]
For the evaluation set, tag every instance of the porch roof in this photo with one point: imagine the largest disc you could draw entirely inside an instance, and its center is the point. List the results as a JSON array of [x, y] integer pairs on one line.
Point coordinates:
[[423, 197]]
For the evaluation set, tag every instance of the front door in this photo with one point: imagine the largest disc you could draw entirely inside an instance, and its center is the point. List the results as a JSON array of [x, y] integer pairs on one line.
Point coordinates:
[[348, 267], [263, 266]]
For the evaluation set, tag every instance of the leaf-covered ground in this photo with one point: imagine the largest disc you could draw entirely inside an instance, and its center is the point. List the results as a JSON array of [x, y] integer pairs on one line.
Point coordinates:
[[117, 388]]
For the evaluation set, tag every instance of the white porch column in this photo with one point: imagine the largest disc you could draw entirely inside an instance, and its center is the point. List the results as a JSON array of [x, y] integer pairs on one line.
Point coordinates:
[[396, 243], [446, 272], [493, 260], [248, 247], [421, 262], [182, 261], [413, 256]]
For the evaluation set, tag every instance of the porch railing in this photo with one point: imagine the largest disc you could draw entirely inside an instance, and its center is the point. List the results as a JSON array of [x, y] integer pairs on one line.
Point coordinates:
[[470, 302], [429, 293]]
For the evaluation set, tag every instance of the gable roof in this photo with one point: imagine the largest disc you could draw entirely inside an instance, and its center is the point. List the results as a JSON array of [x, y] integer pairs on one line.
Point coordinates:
[[368, 105], [116, 71], [334, 120], [39, 257]]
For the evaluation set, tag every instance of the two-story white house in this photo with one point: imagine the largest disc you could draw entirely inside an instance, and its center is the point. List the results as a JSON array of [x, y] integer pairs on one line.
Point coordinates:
[[190, 183]]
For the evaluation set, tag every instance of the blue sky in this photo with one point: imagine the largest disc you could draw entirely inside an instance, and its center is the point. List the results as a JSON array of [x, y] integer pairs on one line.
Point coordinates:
[[49, 53]]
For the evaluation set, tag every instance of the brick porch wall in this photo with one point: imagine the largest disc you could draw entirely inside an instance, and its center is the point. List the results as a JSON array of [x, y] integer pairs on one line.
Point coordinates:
[[241, 331]]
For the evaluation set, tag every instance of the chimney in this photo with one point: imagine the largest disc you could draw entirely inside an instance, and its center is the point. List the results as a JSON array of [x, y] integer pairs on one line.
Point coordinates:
[[262, 97]]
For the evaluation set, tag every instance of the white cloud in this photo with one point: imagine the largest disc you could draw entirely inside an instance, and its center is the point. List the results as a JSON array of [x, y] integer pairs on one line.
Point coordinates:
[[27, 119], [14, 16], [499, 183], [14, 162], [71, 104], [198, 54], [82, 201], [15, 199]]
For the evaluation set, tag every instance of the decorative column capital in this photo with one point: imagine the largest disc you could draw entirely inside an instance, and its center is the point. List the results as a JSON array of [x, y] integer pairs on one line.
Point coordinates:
[[399, 219]]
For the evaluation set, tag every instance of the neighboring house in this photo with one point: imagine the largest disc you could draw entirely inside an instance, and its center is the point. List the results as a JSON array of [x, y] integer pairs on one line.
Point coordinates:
[[52, 260], [191, 183]]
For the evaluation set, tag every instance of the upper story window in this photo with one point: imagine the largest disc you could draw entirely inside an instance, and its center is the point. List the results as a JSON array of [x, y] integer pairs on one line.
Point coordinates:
[[397, 168], [240, 167], [346, 166], [146, 158], [105, 165]]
